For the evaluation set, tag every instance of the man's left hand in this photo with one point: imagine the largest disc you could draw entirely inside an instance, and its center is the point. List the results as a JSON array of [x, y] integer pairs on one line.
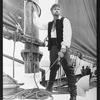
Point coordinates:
[[60, 54]]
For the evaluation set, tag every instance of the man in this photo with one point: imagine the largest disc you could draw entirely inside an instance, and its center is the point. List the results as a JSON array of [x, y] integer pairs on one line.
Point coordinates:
[[59, 41], [88, 71], [83, 71]]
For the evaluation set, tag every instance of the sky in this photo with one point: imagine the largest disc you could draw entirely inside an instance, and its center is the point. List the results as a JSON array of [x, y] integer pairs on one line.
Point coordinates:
[[8, 45]]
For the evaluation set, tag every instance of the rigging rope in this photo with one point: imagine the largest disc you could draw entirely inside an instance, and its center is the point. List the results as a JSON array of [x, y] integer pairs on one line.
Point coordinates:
[[15, 38], [14, 57]]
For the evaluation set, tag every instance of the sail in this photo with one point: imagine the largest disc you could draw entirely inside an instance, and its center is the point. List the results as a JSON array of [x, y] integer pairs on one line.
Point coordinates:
[[82, 15], [13, 13]]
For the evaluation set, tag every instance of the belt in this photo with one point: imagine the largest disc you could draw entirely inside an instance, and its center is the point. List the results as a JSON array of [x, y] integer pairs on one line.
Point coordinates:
[[54, 41]]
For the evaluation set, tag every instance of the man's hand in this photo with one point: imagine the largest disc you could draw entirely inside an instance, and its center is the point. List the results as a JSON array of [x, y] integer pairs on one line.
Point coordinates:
[[62, 52]]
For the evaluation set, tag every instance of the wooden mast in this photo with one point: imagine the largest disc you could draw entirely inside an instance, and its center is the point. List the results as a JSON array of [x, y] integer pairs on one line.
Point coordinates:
[[31, 54]]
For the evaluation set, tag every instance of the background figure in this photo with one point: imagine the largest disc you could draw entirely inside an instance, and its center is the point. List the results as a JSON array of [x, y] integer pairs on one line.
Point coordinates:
[[59, 41], [88, 71], [83, 71]]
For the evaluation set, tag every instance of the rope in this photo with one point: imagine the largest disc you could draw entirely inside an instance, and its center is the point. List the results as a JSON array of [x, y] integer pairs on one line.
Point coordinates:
[[15, 38], [59, 76], [14, 57], [36, 93], [50, 67]]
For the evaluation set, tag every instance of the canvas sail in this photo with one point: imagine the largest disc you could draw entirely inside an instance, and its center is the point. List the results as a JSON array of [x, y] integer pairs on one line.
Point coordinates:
[[82, 15]]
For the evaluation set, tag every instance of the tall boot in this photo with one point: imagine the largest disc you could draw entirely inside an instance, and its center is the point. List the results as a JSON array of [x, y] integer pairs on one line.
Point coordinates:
[[49, 86], [51, 81], [73, 98], [73, 92], [72, 87], [71, 83]]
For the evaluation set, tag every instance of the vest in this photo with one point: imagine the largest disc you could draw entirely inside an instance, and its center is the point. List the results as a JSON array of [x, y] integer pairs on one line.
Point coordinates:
[[59, 32]]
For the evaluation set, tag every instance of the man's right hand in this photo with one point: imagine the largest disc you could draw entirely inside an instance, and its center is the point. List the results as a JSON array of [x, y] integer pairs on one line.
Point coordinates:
[[60, 54]]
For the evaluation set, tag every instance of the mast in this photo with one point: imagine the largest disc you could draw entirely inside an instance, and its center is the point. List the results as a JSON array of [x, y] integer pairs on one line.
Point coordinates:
[[31, 53]]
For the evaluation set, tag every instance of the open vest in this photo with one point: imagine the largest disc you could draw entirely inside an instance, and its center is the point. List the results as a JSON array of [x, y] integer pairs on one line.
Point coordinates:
[[59, 32]]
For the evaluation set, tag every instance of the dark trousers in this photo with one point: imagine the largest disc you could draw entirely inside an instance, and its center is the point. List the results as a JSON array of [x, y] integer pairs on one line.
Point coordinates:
[[67, 66]]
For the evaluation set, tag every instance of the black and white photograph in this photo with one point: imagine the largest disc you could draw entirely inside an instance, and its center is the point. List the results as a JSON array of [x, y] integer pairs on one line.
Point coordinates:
[[49, 49]]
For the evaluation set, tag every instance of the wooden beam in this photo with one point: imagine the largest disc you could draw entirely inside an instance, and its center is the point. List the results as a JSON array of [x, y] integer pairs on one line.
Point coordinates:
[[31, 30], [21, 37], [22, 62]]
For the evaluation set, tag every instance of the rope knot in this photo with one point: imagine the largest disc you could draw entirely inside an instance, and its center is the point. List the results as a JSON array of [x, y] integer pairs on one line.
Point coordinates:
[[17, 33]]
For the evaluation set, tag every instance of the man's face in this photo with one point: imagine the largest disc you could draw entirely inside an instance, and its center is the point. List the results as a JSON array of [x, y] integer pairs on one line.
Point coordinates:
[[56, 11]]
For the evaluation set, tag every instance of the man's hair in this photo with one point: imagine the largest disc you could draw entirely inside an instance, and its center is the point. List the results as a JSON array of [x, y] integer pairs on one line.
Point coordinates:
[[54, 5]]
